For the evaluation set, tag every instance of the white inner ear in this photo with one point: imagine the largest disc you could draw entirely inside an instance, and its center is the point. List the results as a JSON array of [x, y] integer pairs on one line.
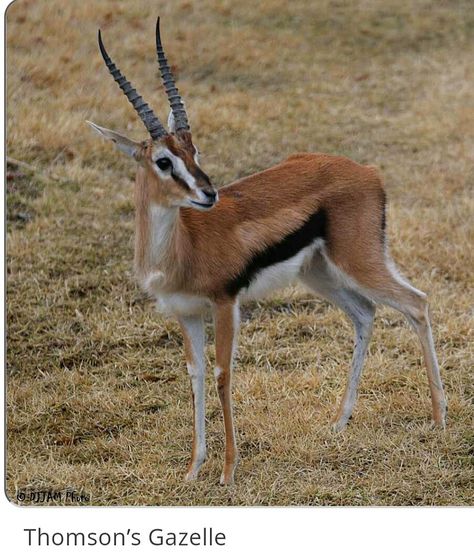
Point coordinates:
[[121, 142], [126, 148], [171, 122]]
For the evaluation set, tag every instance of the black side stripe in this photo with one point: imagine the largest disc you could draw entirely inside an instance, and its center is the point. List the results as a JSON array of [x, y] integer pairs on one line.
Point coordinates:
[[290, 245]]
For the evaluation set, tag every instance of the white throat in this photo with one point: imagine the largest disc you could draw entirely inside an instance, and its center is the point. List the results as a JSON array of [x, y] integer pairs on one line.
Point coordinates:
[[161, 227], [162, 222]]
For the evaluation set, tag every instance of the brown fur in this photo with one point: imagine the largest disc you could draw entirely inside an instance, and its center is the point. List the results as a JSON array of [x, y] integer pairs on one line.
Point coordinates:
[[225, 335], [190, 360], [142, 224], [210, 248]]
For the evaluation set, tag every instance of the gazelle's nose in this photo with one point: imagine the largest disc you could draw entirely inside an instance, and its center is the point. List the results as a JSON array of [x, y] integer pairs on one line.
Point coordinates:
[[211, 195]]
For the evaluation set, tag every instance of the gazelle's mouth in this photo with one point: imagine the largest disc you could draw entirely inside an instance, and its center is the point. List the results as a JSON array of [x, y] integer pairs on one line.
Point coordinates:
[[203, 205]]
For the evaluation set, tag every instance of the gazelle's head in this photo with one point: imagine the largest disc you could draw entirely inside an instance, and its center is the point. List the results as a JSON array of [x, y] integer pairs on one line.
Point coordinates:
[[169, 157]]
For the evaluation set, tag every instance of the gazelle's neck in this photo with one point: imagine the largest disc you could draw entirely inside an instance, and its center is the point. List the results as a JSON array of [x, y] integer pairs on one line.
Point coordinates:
[[155, 235], [162, 224]]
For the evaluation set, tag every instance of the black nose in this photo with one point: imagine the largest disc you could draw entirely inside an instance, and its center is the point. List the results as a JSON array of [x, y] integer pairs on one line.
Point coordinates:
[[210, 195]]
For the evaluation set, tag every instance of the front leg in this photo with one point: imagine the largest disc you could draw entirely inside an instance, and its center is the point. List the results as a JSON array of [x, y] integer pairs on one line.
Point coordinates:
[[226, 326], [193, 333]]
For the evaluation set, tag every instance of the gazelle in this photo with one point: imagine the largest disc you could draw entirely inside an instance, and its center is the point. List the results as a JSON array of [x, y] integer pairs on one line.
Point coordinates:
[[316, 218]]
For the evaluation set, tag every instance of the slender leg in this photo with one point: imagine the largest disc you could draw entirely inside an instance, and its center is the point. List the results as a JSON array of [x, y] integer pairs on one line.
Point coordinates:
[[388, 287], [226, 324], [412, 303], [193, 332], [422, 327], [361, 311]]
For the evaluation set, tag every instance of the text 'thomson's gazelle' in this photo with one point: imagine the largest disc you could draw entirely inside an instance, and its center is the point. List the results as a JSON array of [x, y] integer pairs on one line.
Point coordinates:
[[317, 218]]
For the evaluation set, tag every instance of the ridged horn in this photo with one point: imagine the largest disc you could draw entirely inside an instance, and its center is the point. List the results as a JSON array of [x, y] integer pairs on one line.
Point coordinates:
[[151, 122], [176, 104]]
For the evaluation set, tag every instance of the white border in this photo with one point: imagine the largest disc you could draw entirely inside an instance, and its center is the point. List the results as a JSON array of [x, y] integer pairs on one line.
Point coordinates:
[[437, 530], [247, 529]]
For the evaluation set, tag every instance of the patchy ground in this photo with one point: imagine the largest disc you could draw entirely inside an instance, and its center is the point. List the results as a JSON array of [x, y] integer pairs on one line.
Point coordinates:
[[98, 396]]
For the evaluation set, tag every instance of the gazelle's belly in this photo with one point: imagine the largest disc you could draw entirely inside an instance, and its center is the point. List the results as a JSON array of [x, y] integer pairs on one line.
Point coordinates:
[[280, 274], [263, 283]]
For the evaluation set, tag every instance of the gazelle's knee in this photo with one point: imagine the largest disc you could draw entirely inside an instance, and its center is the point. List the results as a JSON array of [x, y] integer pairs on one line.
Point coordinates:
[[421, 306], [417, 311], [194, 370], [365, 319], [221, 378], [408, 299]]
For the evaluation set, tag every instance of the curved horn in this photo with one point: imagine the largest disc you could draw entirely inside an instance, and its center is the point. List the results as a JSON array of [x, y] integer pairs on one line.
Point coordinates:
[[177, 106], [152, 123]]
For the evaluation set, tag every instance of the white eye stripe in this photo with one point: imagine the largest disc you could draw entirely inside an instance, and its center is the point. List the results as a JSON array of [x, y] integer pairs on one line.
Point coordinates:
[[179, 168], [182, 172]]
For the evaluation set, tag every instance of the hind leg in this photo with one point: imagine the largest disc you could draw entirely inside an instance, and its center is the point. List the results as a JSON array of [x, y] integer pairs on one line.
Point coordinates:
[[361, 311], [422, 326], [356, 252], [380, 281], [412, 303]]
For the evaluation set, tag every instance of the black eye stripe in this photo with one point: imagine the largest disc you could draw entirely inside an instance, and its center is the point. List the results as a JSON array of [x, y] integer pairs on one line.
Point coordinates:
[[198, 173], [180, 181]]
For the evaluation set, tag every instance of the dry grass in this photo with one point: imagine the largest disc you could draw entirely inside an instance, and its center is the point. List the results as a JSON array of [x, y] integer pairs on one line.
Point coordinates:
[[98, 397]]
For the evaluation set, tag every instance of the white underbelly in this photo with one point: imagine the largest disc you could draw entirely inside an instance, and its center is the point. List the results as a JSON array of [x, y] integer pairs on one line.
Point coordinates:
[[265, 281], [279, 275]]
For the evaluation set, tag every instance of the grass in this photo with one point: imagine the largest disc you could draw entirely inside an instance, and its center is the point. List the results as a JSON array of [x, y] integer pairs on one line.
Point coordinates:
[[98, 396]]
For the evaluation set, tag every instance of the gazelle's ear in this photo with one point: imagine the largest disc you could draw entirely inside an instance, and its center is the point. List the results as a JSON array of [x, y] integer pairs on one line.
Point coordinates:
[[171, 122], [122, 143]]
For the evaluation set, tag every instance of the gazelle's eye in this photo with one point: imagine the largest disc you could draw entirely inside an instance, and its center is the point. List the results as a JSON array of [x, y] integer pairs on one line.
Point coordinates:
[[163, 163]]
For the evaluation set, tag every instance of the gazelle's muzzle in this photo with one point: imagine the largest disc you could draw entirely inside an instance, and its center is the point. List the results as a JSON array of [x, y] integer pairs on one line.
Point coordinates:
[[207, 194], [208, 197]]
